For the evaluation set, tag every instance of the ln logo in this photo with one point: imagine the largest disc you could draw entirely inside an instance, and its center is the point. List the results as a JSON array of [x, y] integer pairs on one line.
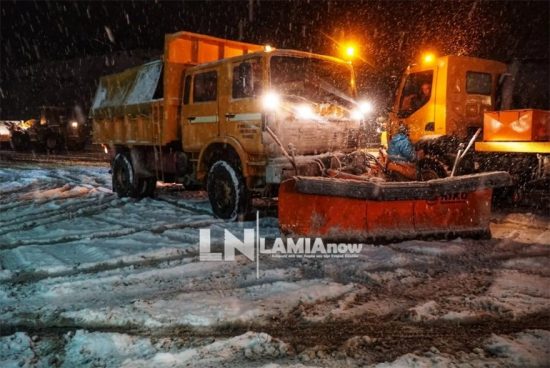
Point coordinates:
[[252, 245], [250, 242]]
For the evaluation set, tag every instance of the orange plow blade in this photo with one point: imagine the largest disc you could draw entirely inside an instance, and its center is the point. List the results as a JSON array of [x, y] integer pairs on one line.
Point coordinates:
[[353, 210]]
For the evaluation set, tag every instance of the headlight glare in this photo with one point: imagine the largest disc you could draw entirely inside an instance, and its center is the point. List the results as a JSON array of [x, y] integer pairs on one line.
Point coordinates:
[[271, 101], [304, 111]]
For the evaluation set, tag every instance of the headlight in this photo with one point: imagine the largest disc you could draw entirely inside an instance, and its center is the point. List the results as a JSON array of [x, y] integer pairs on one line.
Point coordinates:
[[74, 124], [304, 111], [357, 114], [365, 107], [271, 101]]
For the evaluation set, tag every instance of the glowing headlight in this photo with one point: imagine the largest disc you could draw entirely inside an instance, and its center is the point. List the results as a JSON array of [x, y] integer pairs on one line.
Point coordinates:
[[74, 124], [304, 111], [271, 101], [365, 107], [357, 114]]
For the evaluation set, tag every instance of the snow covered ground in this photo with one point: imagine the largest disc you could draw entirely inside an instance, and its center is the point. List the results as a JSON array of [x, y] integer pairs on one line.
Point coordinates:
[[88, 279]]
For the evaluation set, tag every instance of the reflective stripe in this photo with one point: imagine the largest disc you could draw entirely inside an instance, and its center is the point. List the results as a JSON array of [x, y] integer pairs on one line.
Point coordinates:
[[205, 119], [251, 116]]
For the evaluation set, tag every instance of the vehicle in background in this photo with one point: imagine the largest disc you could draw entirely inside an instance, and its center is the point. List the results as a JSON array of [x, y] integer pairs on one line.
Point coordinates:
[[5, 135], [54, 129], [444, 101], [233, 117]]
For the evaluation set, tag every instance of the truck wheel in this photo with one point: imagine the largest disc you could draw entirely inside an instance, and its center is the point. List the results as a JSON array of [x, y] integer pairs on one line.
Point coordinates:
[[226, 191], [125, 182], [52, 142], [429, 168]]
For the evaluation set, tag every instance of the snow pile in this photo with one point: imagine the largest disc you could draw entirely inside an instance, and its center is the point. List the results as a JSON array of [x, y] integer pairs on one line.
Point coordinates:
[[16, 351], [522, 228], [250, 346], [424, 312], [515, 294], [530, 348], [255, 303], [416, 361], [435, 248], [93, 349]]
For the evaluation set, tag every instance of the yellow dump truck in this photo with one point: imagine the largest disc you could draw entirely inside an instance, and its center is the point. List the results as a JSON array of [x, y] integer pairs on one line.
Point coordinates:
[[443, 101], [234, 117]]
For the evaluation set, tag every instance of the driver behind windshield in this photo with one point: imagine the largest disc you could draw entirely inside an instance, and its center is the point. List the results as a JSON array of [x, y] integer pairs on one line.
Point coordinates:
[[416, 100]]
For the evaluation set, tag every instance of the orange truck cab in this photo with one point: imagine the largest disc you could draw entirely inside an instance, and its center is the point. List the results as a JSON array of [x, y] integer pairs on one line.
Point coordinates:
[[446, 96], [443, 101]]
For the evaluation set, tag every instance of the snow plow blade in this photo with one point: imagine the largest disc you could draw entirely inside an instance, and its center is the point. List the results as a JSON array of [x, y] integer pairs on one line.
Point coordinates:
[[368, 211]]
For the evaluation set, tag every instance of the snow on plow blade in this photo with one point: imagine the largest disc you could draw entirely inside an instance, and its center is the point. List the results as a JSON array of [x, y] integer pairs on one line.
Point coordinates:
[[352, 210]]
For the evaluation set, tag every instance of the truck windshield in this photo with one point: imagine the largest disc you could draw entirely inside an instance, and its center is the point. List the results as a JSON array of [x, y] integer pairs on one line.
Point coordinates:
[[316, 80], [416, 92]]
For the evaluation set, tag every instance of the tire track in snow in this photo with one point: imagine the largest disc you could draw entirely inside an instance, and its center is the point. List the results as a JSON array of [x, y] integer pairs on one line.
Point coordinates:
[[157, 229], [178, 203], [88, 211], [27, 277], [25, 189], [68, 207]]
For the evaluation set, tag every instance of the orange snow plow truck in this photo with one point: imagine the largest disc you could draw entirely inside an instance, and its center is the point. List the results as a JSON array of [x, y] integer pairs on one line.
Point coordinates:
[[233, 117], [244, 121]]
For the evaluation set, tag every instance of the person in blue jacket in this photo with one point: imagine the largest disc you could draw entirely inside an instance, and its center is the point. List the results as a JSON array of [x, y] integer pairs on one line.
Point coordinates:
[[400, 147]]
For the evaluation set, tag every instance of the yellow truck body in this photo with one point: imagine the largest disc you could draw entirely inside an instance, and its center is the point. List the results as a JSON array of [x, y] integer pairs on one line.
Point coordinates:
[[268, 113]]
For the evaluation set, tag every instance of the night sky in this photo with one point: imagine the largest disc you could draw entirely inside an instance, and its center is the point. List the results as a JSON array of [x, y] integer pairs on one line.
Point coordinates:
[[391, 34]]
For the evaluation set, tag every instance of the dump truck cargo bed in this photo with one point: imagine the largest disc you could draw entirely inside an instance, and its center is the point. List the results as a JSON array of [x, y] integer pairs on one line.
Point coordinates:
[[370, 211], [141, 105]]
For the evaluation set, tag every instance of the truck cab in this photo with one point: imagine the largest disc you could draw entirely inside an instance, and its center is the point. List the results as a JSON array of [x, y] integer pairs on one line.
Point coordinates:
[[263, 104], [446, 96]]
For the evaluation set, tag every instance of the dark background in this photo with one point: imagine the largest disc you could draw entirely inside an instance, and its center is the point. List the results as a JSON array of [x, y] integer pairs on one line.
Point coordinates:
[[54, 52]]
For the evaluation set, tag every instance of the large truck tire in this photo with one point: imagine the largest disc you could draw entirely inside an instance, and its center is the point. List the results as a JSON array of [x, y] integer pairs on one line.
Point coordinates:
[[124, 177], [227, 191], [53, 142], [126, 183]]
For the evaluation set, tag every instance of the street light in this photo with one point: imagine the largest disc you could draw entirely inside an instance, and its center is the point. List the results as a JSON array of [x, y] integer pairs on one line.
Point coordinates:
[[350, 51]]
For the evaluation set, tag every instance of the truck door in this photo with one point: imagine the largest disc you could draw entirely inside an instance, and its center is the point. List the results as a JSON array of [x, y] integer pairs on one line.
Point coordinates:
[[240, 111], [200, 111], [416, 105]]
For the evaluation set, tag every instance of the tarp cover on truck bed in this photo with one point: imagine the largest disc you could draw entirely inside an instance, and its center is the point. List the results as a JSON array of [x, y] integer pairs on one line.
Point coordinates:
[[130, 87], [137, 107]]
